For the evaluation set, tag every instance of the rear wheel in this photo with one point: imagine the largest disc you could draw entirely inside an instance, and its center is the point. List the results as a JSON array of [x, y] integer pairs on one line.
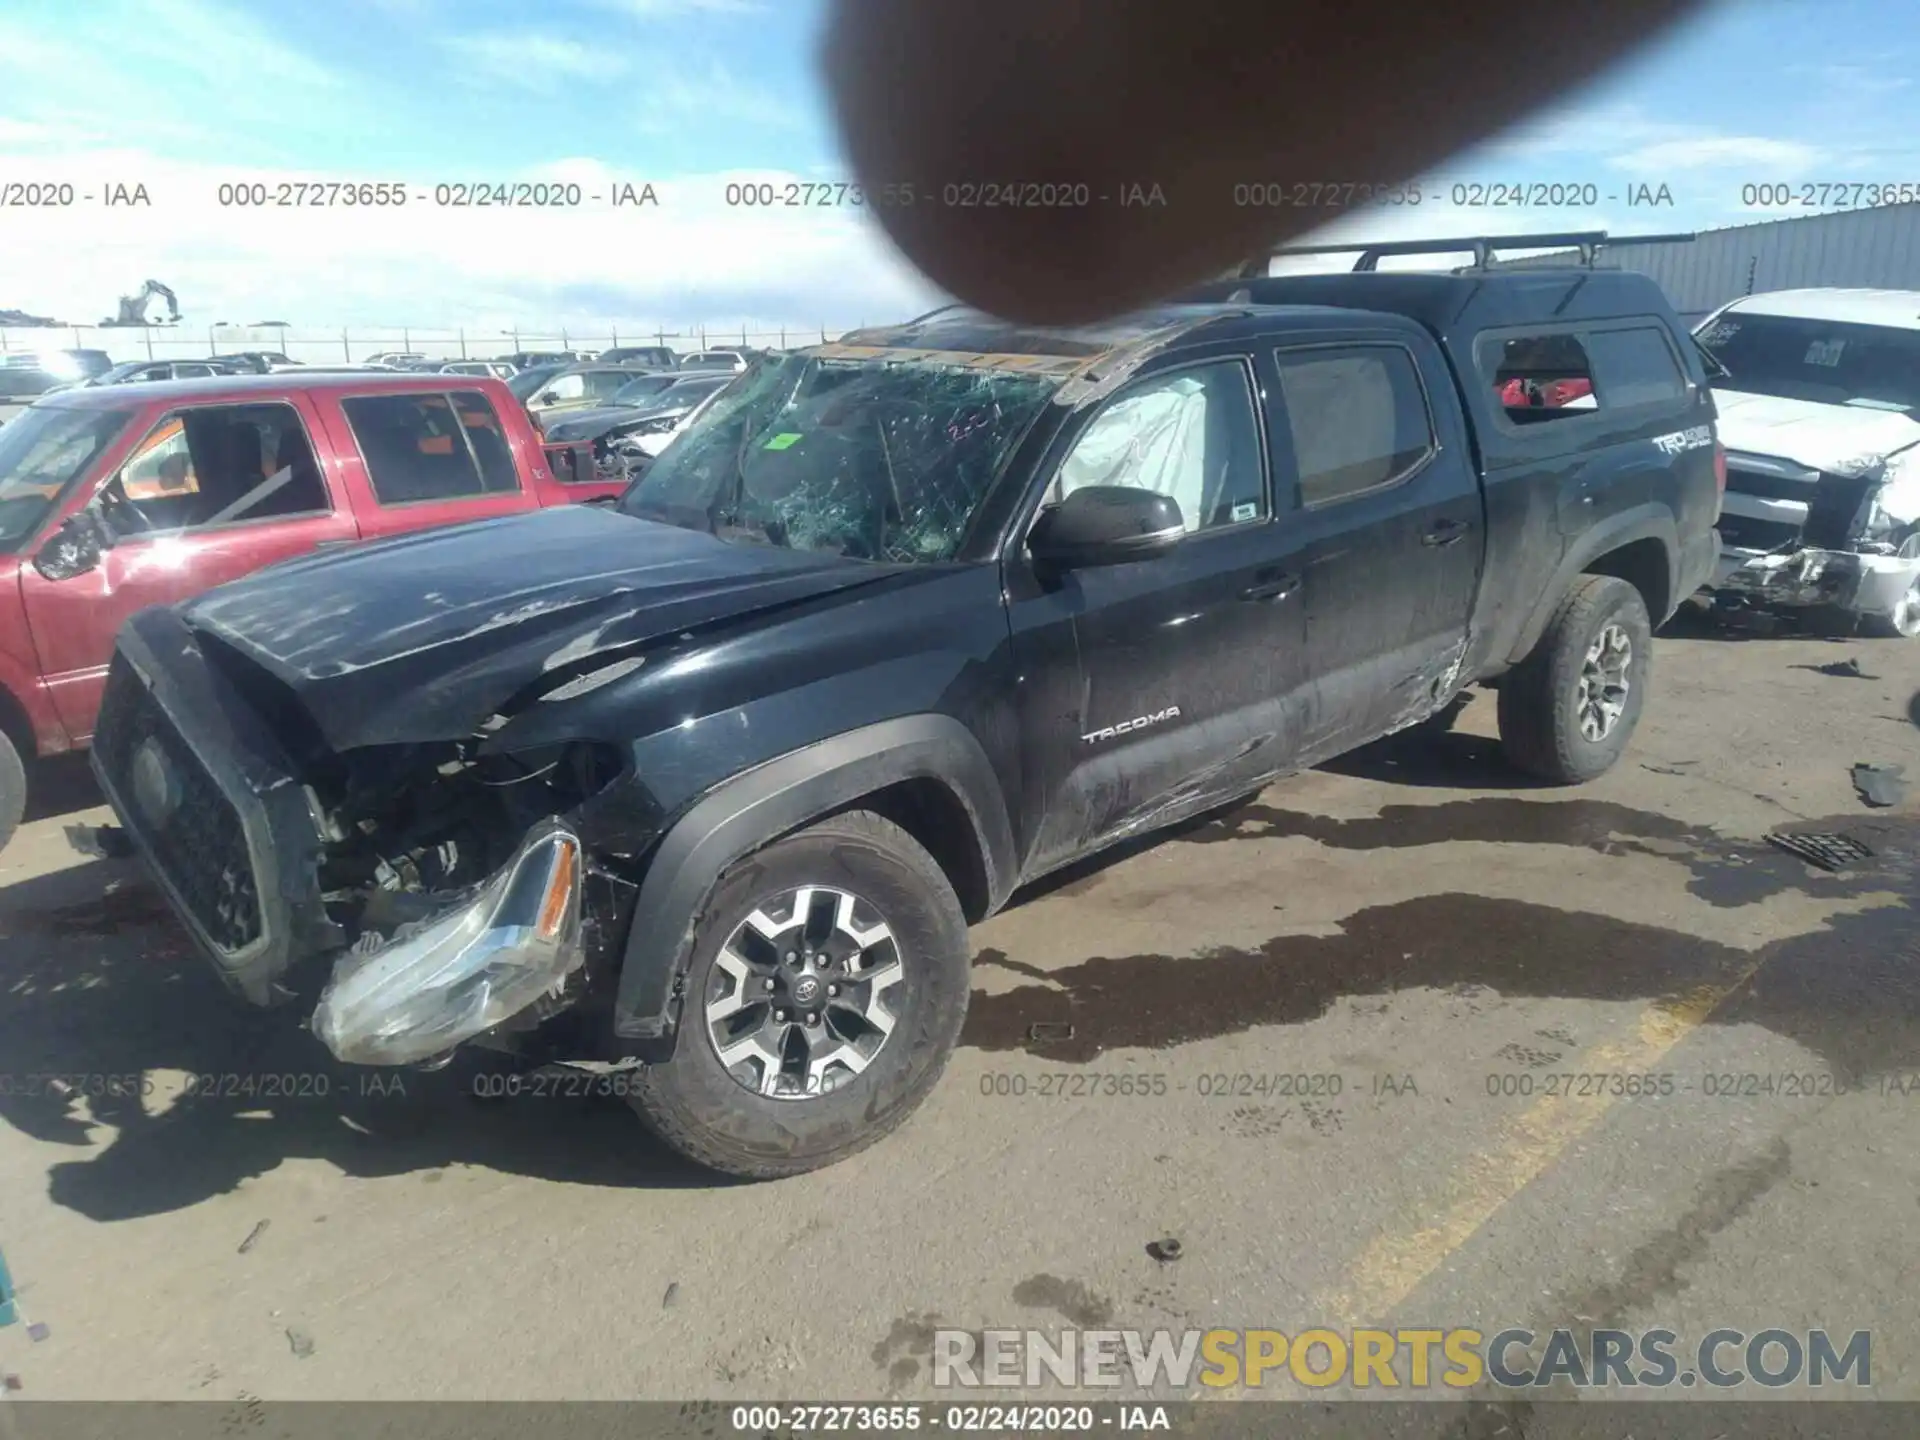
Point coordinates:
[[1568, 711], [828, 985]]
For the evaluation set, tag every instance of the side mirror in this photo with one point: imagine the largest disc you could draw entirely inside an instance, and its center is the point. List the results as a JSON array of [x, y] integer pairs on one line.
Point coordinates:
[[75, 548], [1106, 525]]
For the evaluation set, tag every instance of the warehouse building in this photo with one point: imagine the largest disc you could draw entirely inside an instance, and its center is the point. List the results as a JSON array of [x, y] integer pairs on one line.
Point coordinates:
[[1875, 248]]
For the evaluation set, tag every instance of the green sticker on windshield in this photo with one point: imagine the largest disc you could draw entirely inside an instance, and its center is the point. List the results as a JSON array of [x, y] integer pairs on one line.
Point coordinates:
[[782, 441]]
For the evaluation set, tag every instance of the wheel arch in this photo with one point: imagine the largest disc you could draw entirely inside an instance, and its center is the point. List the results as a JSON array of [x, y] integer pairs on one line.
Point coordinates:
[[926, 773], [1643, 542]]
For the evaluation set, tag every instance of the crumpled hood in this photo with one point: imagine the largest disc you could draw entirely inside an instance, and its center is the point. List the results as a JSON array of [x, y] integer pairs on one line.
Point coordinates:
[[1839, 439], [422, 637]]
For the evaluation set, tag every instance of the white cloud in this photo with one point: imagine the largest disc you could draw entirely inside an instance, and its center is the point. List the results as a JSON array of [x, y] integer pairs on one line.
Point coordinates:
[[673, 98], [532, 60], [1720, 152], [188, 72], [688, 259], [1625, 138], [1596, 131]]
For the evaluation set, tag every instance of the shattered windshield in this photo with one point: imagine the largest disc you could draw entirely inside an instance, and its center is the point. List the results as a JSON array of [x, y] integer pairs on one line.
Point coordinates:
[[869, 458], [1796, 358], [43, 450]]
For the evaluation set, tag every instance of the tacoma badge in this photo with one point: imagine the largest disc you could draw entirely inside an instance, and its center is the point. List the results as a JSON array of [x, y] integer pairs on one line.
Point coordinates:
[[1140, 722]]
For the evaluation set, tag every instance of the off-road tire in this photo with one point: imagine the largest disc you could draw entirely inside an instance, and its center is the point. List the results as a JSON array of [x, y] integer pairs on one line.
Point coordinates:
[[697, 1108], [1539, 699], [13, 789]]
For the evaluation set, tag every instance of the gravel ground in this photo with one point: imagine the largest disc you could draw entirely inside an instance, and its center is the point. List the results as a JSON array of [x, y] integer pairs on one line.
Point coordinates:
[[1417, 931]]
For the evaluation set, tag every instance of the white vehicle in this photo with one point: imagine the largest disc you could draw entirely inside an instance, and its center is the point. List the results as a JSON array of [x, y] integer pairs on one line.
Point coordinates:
[[393, 357], [735, 360], [1820, 415], [498, 369]]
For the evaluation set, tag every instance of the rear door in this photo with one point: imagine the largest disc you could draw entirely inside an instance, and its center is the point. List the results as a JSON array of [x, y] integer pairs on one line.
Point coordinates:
[[1391, 524], [1153, 689], [210, 493], [418, 459]]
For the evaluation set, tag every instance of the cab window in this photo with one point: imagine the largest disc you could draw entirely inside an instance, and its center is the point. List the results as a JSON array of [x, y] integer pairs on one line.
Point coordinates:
[[431, 446], [214, 466]]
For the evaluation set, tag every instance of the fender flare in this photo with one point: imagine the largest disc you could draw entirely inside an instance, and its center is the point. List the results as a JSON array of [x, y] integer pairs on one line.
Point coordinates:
[[1642, 522], [744, 813]]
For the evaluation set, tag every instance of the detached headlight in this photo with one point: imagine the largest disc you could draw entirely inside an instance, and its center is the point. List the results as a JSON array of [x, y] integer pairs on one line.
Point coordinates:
[[466, 970]]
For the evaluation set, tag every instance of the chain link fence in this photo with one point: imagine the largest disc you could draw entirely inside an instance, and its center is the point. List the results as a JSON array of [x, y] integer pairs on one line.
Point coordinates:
[[353, 346]]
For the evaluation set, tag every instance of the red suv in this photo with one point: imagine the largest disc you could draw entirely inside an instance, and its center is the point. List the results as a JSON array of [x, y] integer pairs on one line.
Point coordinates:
[[120, 497]]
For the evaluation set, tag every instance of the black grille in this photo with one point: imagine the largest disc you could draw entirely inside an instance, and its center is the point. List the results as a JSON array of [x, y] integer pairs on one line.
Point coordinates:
[[200, 846], [1743, 532]]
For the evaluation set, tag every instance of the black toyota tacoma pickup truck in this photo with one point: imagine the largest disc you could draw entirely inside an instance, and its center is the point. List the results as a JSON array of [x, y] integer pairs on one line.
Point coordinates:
[[705, 788]]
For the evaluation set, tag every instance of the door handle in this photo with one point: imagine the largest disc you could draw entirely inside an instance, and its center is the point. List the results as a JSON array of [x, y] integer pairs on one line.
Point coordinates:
[[332, 544], [1278, 588], [1446, 532]]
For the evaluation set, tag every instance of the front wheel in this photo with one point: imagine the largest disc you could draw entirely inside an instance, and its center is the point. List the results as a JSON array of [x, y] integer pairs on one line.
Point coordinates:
[[827, 988], [1568, 710], [13, 789]]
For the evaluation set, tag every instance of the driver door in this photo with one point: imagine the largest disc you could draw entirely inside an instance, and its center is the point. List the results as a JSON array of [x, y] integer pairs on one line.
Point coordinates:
[[1154, 689], [210, 494]]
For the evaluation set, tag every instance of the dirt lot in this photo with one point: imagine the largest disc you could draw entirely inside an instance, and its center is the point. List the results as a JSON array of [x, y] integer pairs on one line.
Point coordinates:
[[1415, 926]]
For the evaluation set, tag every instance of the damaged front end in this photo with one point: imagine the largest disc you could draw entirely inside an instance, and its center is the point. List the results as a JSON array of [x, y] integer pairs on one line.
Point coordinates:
[[1798, 538], [432, 894], [433, 984]]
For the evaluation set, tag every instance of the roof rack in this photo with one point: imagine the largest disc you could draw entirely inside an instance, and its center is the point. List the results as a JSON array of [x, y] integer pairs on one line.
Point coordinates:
[[1588, 242]]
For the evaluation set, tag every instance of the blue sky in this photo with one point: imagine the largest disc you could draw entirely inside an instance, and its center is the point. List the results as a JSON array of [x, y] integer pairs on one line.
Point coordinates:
[[691, 93]]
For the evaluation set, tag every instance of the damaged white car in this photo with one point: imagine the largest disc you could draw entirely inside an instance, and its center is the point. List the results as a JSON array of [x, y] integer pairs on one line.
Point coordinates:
[[1819, 404]]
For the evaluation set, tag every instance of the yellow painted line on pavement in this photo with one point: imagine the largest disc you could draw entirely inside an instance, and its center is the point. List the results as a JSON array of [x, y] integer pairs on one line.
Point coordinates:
[[1397, 1261]]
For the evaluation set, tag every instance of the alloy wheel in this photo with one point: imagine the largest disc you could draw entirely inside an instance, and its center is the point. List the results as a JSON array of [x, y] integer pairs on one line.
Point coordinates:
[[798, 1001], [1601, 693]]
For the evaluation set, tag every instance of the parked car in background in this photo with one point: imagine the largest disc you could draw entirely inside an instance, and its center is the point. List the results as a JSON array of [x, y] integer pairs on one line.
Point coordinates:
[[137, 371], [900, 626], [657, 356], [260, 362], [626, 434], [735, 360], [34, 372], [572, 387], [1819, 400], [533, 359], [649, 416], [115, 497], [498, 369], [394, 358], [643, 389]]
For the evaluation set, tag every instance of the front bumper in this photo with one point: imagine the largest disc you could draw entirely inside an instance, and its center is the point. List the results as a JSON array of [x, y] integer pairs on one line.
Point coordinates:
[[212, 806], [1844, 579], [206, 794]]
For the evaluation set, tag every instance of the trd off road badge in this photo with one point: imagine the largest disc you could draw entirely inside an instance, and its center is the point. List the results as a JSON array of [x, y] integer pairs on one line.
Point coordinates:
[[1697, 437]]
